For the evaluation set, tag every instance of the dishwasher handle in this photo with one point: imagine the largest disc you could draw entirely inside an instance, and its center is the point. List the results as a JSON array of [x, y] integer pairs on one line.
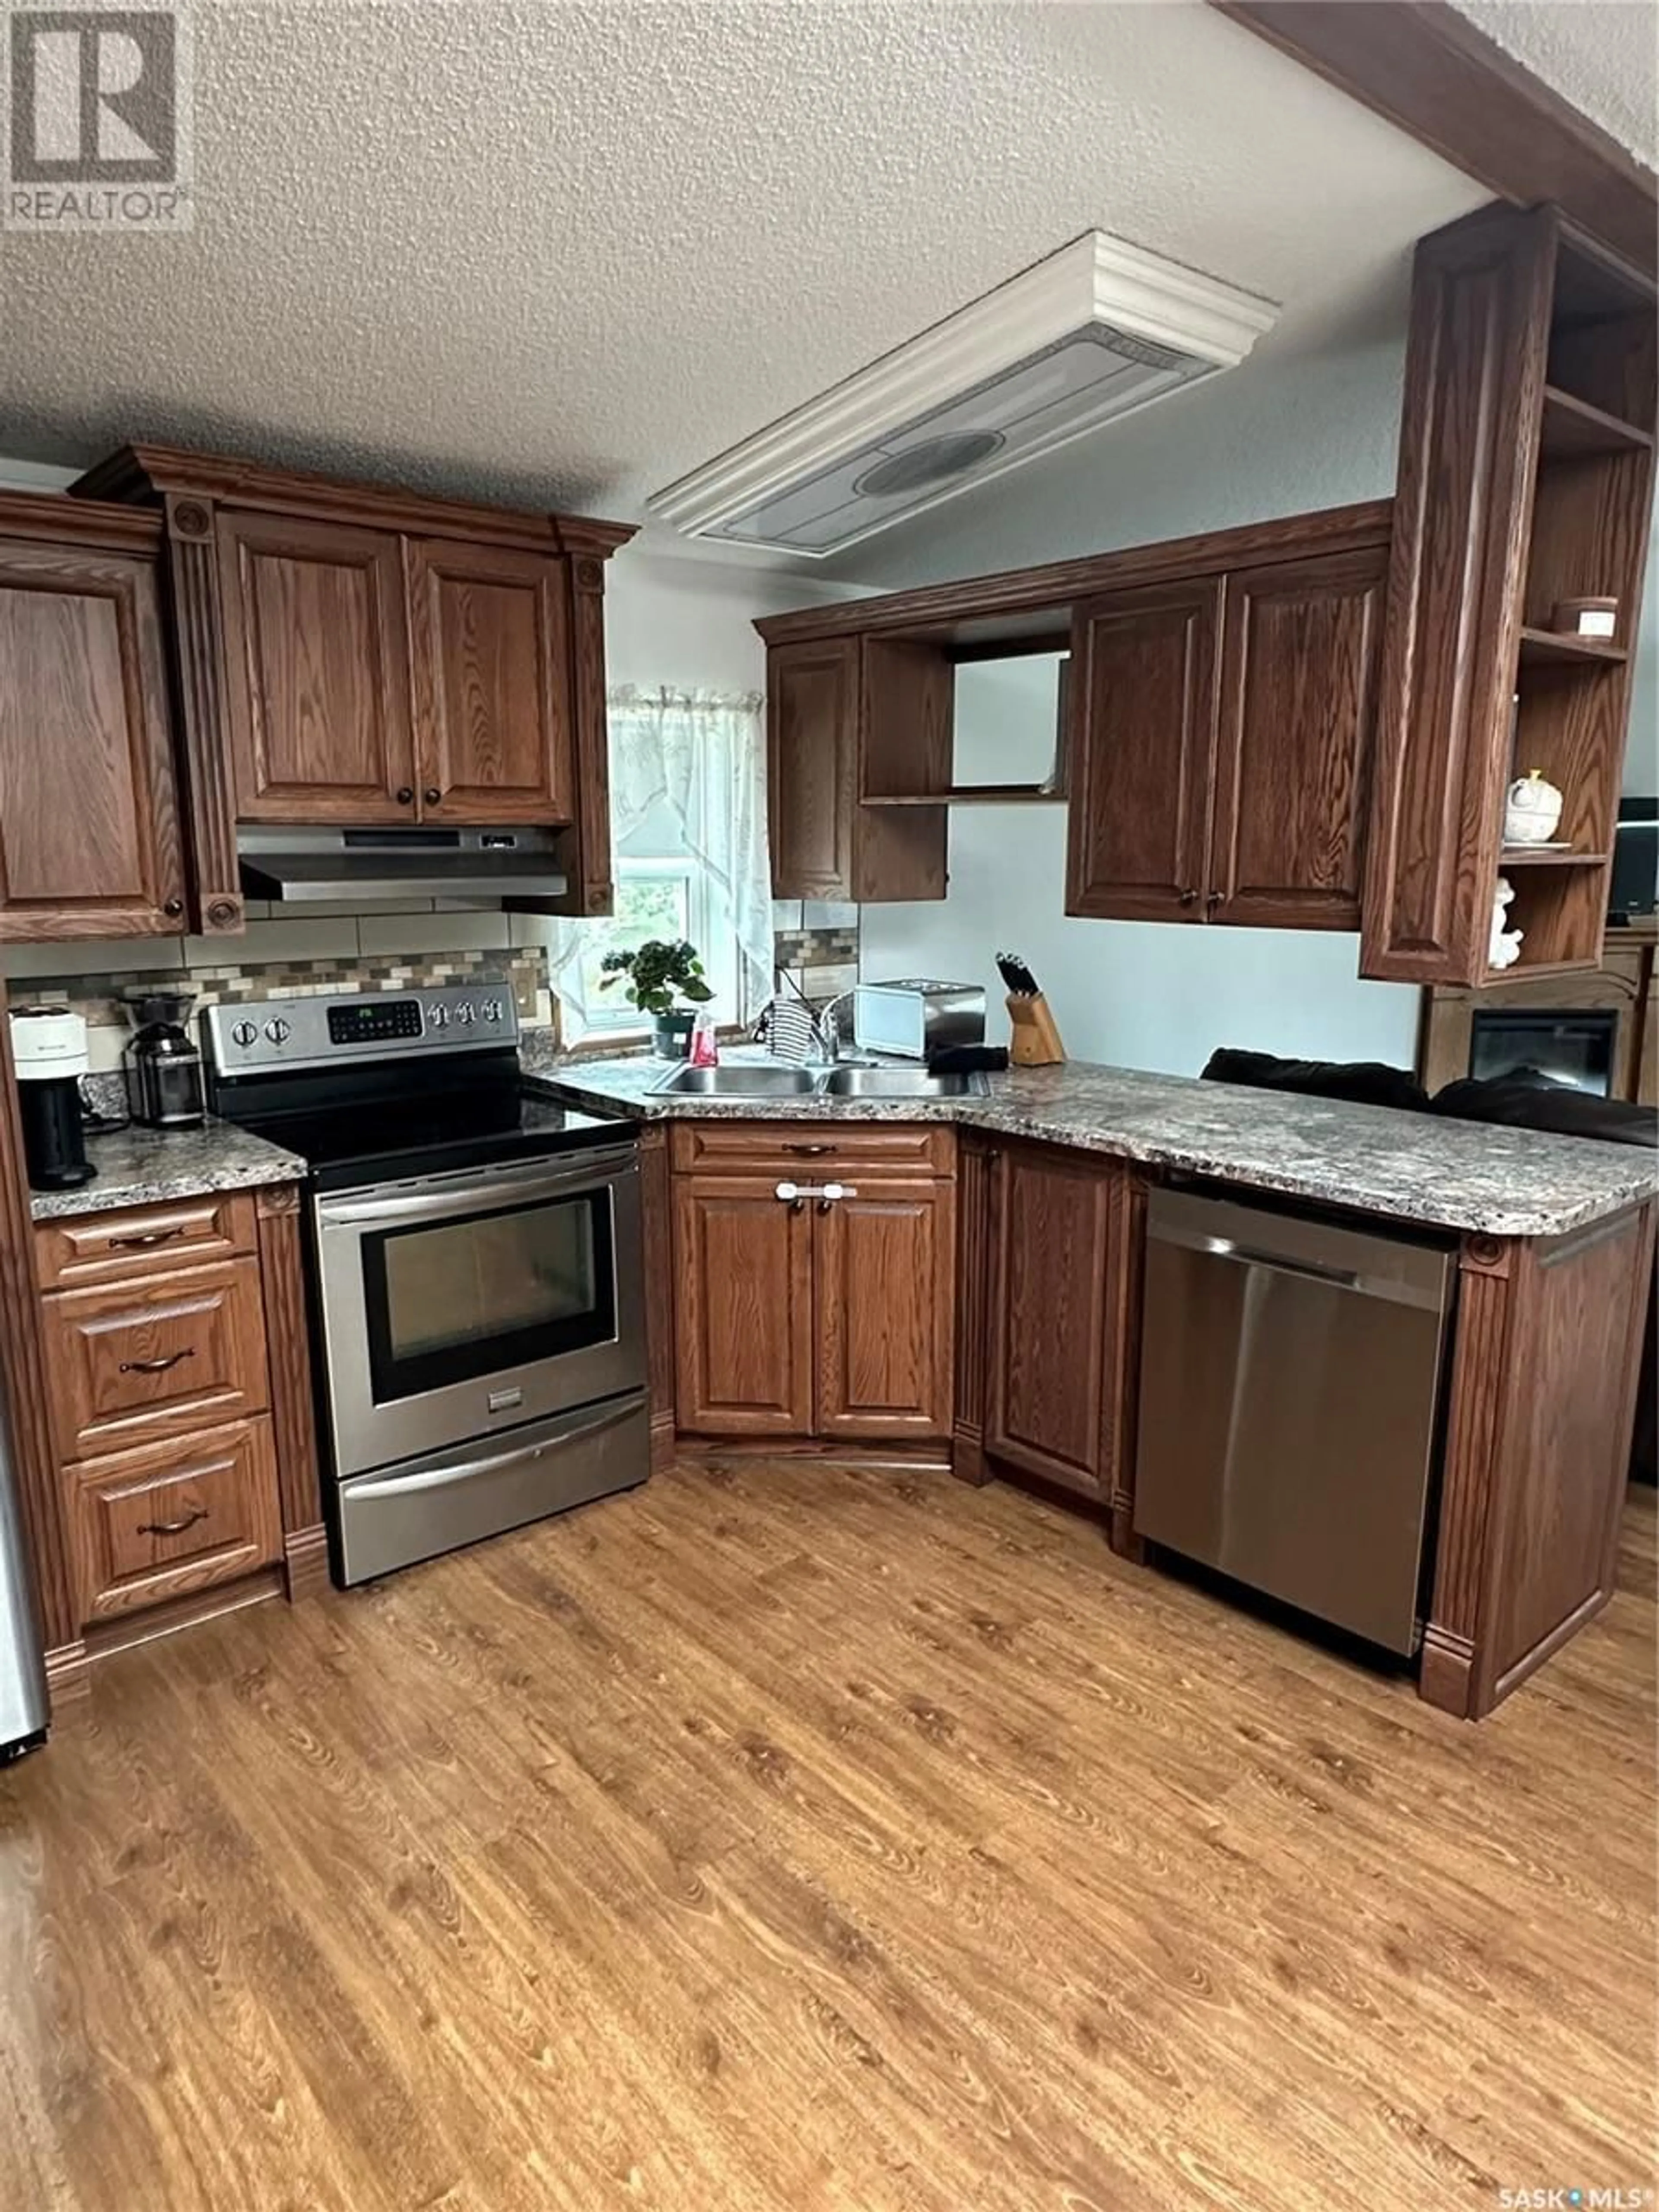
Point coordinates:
[[1285, 1263]]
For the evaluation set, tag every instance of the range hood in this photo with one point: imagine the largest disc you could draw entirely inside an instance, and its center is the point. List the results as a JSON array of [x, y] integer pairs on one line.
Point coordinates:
[[364, 866]]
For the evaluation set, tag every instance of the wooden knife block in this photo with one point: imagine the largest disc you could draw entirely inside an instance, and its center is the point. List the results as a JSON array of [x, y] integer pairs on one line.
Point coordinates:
[[1035, 1042]]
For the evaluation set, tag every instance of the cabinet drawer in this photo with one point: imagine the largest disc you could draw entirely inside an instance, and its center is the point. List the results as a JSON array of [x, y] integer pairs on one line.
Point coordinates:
[[139, 1361], [173, 1518], [109, 1248], [804, 1150]]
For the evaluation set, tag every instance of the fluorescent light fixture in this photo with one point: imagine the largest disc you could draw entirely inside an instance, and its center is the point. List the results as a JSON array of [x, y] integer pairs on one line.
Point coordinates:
[[1097, 330]]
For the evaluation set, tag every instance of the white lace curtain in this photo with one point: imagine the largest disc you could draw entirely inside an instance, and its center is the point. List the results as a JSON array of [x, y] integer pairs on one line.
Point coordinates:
[[696, 759]]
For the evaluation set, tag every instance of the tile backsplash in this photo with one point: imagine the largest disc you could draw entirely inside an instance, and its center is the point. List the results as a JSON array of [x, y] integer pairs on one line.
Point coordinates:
[[816, 944]]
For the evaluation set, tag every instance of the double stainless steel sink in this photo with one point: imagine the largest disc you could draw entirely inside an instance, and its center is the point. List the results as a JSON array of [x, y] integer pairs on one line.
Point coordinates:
[[849, 1080]]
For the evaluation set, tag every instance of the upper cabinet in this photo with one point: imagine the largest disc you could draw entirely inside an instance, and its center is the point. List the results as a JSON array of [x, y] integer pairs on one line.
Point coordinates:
[[489, 641], [316, 670], [1526, 481], [857, 729], [354, 655], [1143, 750], [1216, 698], [1300, 645], [90, 842]]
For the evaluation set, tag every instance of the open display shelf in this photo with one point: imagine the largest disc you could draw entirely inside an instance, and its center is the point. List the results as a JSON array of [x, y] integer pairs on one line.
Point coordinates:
[[1528, 341], [970, 794]]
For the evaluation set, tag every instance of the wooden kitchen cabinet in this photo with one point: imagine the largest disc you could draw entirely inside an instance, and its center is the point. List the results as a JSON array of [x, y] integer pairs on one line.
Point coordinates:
[[743, 1316], [884, 1274], [171, 1519], [490, 656], [837, 712], [814, 1317], [1064, 1234], [316, 671], [1221, 745], [351, 654], [167, 1353], [1294, 744], [90, 837], [1142, 748]]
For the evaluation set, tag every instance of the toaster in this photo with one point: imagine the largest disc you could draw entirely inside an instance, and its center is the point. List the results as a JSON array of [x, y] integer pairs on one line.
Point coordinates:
[[917, 1017]]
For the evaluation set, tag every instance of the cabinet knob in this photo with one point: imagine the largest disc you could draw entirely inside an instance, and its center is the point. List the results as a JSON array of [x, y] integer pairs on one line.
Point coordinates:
[[174, 907], [1189, 898], [1213, 900], [406, 794], [432, 794]]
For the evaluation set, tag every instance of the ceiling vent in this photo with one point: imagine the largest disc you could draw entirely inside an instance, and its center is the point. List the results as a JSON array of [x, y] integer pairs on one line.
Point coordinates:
[[1095, 332]]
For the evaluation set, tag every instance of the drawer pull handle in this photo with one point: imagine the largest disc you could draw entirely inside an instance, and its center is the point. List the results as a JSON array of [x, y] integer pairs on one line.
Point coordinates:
[[809, 1151], [157, 1366], [143, 1240], [174, 1528]]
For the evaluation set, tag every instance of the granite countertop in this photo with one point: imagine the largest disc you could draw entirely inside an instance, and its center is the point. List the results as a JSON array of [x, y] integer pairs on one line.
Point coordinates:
[[1468, 1175], [148, 1167]]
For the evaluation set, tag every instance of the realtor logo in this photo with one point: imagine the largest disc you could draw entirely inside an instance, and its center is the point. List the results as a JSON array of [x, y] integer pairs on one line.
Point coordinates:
[[97, 117]]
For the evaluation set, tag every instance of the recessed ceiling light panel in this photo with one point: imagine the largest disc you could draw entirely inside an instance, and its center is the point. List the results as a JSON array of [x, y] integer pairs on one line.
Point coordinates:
[[1095, 332]]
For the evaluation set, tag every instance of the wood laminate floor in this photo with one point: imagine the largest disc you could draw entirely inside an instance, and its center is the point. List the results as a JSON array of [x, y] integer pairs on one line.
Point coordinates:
[[779, 1836]]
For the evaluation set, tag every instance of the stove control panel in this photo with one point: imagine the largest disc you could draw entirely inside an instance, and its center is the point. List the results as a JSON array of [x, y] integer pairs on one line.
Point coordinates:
[[368, 1021], [333, 1031]]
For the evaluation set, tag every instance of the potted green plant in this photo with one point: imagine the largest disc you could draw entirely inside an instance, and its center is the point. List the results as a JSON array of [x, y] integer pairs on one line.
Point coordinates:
[[659, 974]]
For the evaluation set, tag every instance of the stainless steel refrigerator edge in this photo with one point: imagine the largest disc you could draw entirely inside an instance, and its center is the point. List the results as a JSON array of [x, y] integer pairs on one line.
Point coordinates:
[[23, 1704]]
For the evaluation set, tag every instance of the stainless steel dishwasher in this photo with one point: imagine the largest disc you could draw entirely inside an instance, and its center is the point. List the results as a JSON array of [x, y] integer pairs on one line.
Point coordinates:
[[1290, 1394]]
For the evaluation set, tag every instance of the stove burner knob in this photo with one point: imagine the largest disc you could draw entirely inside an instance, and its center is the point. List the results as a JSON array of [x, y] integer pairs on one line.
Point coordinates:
[[244, 1033], [467, 1013], [439, 1017], [278, 1031], [492, 1009]]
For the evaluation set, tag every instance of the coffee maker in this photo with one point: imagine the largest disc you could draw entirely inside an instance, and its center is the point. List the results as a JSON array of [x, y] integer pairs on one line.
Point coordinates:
[[163, 1068], [48, 1050]]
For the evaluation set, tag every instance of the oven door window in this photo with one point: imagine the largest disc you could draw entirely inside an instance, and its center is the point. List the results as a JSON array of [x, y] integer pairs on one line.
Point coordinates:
[[455, 1300]]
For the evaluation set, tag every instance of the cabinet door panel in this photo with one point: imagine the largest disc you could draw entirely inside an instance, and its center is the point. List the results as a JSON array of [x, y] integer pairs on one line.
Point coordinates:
[[743, 1265], [1299, 696], [1048, 1412], [155, 1358], [886, 1306], [1143, 708], [317, 669], [173, 1518], [89, 837], [490, 647], [812, 718]]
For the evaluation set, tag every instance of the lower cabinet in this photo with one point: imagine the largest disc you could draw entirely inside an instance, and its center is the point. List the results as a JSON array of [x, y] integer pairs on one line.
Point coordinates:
[[743, 1316], [884, 1270], [1064, 1242], [171, 1519], [799, 1314], [171, 1438]]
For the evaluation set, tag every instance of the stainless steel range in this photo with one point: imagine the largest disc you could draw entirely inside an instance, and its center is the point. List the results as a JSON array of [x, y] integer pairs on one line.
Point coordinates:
[[476, 1264]]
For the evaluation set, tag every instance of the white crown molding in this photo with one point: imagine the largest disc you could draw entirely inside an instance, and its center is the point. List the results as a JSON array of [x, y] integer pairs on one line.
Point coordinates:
[[1095, 279]]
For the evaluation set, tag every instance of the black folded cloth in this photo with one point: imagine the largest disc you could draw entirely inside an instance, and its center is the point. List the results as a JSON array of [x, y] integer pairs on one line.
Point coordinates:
[[1526, 1098], [1357, 1082]]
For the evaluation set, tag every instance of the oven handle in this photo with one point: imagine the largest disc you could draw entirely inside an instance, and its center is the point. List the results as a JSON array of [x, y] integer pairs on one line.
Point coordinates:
[[570, 1427], [467, 1197]]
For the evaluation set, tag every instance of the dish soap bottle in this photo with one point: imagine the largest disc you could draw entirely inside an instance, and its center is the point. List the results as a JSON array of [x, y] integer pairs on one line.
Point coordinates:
[[705, 1050]]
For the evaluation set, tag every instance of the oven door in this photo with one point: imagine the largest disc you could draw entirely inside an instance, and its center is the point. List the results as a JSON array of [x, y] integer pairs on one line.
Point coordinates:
[[452, 1305]]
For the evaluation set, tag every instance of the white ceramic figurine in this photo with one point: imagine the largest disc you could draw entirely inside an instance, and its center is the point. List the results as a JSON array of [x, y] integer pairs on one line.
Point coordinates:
[[1505, 942]]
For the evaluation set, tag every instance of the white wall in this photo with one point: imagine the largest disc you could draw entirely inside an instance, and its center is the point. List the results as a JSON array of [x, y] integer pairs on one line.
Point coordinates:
[[673, 618]]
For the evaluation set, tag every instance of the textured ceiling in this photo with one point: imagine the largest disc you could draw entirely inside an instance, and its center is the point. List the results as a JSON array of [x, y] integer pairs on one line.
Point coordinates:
[[1600, 55], [564, 253]]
